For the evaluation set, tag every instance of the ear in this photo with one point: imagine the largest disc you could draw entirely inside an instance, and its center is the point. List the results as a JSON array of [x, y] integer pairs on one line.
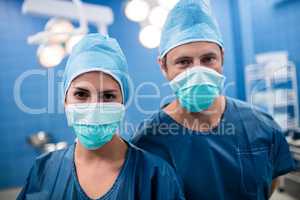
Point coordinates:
[[222, 55], [163, 66], [65, 101]]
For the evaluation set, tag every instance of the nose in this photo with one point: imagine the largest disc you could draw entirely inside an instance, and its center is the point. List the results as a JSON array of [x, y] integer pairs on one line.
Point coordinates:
[[96, 97], [197, 62], [99, 97]]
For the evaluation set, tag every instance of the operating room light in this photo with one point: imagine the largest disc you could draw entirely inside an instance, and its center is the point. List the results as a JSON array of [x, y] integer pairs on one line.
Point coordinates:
[[137, 10], [72, 42], [61, 29], [158, 16], [168, 4], [61, 38], [60, 35], [150, 36], [50, 55], [151, 16]]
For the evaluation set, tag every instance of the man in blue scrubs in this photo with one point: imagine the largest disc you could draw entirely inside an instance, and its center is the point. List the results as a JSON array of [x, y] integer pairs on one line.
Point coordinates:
[[221, 148]]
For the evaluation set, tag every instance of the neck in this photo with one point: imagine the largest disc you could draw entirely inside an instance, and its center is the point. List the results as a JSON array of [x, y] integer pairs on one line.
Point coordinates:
[[114, 150], [200, 121]]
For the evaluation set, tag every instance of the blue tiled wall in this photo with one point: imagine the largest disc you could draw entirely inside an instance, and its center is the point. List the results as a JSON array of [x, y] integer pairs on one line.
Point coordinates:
[[276, 27]]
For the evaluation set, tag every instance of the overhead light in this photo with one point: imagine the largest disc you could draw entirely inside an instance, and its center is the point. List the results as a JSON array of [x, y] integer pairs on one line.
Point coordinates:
[[168, 4], [137, 10], [61, 29], [150, 36], [158, 16], [72, 42], [50, 55]]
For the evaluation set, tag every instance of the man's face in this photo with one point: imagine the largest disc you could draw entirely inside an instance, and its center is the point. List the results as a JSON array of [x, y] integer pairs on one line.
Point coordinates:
[[185, 56]]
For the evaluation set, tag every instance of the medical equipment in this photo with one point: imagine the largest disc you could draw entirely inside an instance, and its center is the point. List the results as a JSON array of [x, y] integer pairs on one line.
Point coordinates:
[[272, 85], [43, 142]]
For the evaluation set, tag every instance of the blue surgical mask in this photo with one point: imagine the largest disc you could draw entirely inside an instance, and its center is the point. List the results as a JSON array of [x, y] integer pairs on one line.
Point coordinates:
[[197, 88], [95, 123]]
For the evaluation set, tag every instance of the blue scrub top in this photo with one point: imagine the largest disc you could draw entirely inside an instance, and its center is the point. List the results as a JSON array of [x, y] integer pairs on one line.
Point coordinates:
[[143, 176], [235, 161]]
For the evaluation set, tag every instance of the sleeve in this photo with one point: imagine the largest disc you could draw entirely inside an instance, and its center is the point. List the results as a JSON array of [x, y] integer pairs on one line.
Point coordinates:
[[28, 185], [282, 159], [167, 185], [33, 184]]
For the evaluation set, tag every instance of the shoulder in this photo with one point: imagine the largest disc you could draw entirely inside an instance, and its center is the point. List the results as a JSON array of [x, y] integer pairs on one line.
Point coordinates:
[[151, 162], [160, 176], [45, 167], [253, 114], [54, 155], [148, 127], [52, 160]]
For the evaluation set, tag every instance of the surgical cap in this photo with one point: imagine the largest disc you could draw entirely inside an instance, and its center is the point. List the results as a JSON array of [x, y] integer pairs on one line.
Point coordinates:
[[189, 21], [97, 53]]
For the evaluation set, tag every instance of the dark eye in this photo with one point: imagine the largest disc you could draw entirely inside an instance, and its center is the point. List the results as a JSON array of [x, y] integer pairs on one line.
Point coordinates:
[[81, 94], [108, 97], [208, 60], [184, 62]]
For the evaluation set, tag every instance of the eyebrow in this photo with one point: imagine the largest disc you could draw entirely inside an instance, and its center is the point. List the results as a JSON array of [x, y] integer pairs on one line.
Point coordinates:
[[182, 58], [82, 89], [207, 54], [109, 91], [104, 91]]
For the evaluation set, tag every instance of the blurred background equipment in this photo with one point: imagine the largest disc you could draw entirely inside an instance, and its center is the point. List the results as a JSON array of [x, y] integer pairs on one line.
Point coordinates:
[[290, 183], [60, 35], [271, 84], [44, 143]]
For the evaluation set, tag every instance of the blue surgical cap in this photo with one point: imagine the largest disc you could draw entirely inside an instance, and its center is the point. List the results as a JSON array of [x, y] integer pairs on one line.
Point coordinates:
[[96, 52], [189, 21]]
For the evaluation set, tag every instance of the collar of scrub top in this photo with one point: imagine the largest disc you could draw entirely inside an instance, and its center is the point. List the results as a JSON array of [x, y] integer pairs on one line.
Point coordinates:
[[189, 21], [96, 52]]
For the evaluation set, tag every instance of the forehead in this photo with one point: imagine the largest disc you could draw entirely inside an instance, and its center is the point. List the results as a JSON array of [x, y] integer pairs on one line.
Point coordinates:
[[95, 78], [194, 49]]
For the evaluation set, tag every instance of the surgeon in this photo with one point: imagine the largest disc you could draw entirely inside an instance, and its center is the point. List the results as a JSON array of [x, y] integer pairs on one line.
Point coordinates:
[[221, 148], [100, 165]]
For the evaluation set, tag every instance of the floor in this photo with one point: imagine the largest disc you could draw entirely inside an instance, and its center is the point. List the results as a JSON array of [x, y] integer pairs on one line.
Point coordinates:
[[11, 194], [282, 196]]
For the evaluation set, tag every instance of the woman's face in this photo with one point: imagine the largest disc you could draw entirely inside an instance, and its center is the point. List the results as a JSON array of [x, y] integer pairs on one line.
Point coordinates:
[[94, 87]]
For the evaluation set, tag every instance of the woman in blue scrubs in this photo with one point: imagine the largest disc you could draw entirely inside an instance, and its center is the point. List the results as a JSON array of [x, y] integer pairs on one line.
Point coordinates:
[[100, 165]]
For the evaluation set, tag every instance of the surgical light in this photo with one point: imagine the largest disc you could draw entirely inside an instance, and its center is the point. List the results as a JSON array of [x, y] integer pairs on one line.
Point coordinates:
[[61, 29], [50, 55], [168, 4], [72, 42], [150, 36], [158, 16], [137, 10]]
